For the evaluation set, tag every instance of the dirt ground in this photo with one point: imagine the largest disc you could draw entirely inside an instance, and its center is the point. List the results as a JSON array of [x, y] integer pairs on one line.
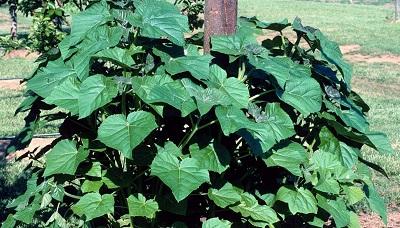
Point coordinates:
[[12, 84], [36, 143], [373, 220]]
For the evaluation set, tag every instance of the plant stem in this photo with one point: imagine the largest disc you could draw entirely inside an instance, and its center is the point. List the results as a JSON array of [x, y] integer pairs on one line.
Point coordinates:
[[193, 131], [71, 195], [260, 94], [242, 69], [207, 124]]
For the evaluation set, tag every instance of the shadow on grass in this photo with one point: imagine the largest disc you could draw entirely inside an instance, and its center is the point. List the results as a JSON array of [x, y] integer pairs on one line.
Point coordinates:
[[12, 183]]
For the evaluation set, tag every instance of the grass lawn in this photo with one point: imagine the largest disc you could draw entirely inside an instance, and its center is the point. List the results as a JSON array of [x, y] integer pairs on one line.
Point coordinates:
[[365, 25], [16, 68], [10, 125]]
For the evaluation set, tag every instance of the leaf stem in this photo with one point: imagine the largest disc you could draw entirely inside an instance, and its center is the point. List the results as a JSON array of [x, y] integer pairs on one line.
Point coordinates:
[[192, 133], [71, 195], [261, 94], [207, 124]]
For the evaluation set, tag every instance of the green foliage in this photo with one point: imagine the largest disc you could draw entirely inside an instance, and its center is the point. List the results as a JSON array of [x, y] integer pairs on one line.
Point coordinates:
[[45, 33], [253, 134]]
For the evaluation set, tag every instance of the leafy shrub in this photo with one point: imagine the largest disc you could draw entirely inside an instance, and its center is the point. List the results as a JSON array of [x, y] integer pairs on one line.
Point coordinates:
[[156, 134], [46, 31], [7, 43], [194, 9]]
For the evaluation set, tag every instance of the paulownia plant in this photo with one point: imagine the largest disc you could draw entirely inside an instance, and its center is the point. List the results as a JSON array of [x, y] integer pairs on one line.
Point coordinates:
[[155, 133]]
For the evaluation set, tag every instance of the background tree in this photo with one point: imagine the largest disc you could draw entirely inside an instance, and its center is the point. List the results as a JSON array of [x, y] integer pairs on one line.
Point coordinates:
[[397, 10], [13, 16], [220, 19]]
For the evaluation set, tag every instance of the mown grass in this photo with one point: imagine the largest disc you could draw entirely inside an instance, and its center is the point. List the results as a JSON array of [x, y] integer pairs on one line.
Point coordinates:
[[365, 25], [379, 85], [10, 125], [364, 2], [16, 68]]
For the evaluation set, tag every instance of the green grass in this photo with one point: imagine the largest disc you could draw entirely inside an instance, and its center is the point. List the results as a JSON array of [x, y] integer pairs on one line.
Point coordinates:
[[365, 25], [10, 125], [379, 85], [363, 2], [16, 68]]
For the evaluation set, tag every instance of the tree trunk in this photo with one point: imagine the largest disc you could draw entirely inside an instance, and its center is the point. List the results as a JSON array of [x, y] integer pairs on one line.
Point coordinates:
[[397, 10], [220, 18], [13, 15]]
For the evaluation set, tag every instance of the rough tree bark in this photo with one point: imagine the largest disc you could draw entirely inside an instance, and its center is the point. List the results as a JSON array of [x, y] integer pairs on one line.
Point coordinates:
[[220, 18], [13, 15], [397, 10]]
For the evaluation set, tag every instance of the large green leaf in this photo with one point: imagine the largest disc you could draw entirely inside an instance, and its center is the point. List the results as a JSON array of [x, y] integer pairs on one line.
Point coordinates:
[[207, 158], [225, 196], [174, 94], [272, 127], [348, 155], [95, 92], [231, 119], [336, 208], [66, 95], [27, 214], [157, 19], [299, 200], [304, 94], [205, 98], [376, 202], [325, 161], [139, 206], [49, 77], [281, 68], [380, 142], [290, 157], [125, 133], [249, 207], [92, 17], [182, 177], [94, 205], [231, 87], [354, 194], [142, 87], [216, 223], [117, 55], [64, 158], [234, 45], [331, 51], [101, 38], [9, 222], [198, 66]]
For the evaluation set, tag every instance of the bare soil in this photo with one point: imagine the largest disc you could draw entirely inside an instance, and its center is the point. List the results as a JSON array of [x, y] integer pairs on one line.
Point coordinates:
[[377, 89], [36, 143], [21, 53], [374, 221], [14, 84]]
